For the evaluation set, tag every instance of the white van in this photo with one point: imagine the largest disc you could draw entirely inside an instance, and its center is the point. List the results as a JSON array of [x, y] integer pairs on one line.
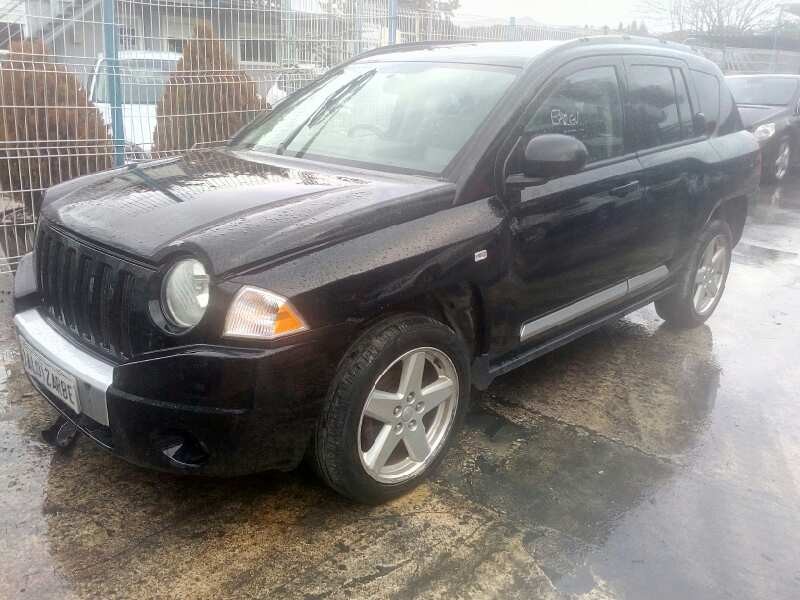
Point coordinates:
[[143, 75]]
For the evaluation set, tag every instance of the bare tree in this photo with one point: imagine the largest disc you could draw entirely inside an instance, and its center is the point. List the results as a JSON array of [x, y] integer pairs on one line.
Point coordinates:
[[714, 17], [442, 7]]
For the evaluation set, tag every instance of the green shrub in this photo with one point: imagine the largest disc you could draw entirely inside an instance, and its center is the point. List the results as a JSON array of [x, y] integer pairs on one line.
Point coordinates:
[[206, 99]]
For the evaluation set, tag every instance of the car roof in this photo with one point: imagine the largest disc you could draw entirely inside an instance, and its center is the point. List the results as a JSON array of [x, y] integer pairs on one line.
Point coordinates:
[[514, 53]]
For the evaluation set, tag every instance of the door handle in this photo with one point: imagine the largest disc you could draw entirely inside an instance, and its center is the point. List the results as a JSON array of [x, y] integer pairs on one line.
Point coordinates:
[[623, 190]]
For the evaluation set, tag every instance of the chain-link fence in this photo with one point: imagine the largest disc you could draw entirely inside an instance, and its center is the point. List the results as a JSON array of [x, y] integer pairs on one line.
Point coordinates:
[[89, 84]]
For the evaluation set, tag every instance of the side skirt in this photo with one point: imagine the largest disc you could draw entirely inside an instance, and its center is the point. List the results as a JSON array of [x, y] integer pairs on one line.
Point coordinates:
[[483, 372]]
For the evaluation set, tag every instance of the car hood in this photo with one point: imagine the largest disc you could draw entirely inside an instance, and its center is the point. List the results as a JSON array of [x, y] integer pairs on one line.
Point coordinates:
[[753, 115], [235, 209]]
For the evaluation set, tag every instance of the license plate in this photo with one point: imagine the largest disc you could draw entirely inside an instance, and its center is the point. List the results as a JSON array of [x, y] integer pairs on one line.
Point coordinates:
[[62, 385]]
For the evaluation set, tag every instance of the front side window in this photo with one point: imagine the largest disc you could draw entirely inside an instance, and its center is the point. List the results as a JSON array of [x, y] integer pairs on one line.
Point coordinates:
[[654, 106], [585, 105], [406, 116]]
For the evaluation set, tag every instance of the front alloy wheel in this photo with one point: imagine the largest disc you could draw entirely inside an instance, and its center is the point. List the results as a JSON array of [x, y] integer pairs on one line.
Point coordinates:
[[407, 415], [782, 161], [776, 170], [398, 396]]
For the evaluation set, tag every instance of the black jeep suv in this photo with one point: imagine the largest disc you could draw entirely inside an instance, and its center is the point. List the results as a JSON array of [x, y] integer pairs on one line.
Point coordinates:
[[334, 281]]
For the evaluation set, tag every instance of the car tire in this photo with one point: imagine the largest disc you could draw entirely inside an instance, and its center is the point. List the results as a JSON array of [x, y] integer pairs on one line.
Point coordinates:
[[688, 305], [778, 168], [368, 444]]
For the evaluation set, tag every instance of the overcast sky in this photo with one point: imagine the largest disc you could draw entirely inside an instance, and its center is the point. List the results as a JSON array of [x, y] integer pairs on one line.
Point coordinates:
[[563, 12]]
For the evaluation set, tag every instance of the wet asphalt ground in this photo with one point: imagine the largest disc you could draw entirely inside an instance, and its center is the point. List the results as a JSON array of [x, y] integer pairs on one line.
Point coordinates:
[[638, 462]]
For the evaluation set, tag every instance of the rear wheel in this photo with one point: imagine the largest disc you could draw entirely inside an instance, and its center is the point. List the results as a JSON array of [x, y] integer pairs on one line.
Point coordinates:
[[703, 281], [398, 397]]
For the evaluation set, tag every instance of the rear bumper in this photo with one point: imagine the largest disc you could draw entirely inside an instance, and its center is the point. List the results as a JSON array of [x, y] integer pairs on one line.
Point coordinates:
[[202, 409]]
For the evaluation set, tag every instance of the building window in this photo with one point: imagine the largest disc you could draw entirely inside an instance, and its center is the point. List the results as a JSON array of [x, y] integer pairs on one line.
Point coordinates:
[[175, 45], [127, 37], [258, 50], [175, 31], [130, 31]]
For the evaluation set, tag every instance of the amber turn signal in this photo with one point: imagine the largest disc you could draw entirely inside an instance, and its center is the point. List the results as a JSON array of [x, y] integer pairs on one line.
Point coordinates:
[[260, 314]]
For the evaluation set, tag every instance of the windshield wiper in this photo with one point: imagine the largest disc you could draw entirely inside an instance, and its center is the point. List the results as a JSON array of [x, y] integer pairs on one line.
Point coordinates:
[[333, 100]]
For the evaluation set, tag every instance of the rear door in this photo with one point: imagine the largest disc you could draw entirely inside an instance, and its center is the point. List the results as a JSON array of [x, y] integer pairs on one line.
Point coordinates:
[[673, 153]]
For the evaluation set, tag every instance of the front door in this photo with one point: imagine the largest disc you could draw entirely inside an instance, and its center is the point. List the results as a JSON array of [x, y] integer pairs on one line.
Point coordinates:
[[572, 237]]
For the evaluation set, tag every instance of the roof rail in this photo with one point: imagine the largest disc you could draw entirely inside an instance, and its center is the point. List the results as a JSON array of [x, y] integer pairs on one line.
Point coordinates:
[[412, 45]]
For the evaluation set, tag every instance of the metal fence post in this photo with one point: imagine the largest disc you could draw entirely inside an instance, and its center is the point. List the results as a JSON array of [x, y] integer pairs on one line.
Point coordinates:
[[392, 21], [288, 33], [110, 35], [359, 27]]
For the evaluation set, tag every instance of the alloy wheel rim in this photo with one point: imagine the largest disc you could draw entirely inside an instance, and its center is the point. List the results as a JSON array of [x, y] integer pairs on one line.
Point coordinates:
[[782, 162], [408, 415], [710, 275]]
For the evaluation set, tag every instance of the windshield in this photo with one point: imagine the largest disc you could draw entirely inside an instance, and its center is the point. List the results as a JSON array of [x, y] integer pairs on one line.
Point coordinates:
[[408, 116], [141, 81], [769, 91]]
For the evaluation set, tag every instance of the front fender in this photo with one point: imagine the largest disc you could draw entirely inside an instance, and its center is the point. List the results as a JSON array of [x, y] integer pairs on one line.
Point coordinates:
[[363, 276]]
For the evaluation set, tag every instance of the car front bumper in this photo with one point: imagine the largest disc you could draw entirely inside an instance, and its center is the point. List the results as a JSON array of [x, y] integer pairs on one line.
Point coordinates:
[[202, 409]]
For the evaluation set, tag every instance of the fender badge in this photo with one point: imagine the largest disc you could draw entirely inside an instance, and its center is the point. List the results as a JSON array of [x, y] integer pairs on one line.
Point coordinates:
[[481, 255]]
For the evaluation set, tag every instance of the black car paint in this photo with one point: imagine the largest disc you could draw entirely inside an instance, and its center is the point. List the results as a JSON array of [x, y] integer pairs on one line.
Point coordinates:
[[349, 245], [233, 209], [787, 125]]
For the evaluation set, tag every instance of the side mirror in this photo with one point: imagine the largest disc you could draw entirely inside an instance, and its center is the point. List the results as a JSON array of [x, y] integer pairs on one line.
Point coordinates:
[[703, 126], [554, 155], [700, 125]]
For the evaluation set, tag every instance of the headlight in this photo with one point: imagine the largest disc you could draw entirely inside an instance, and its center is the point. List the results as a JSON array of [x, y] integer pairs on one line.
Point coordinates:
[[185, 293], [764, 132], [257, 313]]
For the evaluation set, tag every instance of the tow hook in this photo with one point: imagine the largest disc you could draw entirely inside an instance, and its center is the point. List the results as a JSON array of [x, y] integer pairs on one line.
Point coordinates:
[[61, 434]]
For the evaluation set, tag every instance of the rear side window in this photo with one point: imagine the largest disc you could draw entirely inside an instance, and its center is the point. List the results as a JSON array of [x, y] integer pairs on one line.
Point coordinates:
[[729, 119], [661, 112], [707, 87]]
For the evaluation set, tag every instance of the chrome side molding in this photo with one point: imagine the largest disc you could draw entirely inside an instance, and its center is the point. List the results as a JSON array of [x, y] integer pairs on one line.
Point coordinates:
[[646, 279], [593, 302], [572, 311]]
